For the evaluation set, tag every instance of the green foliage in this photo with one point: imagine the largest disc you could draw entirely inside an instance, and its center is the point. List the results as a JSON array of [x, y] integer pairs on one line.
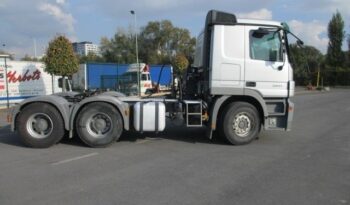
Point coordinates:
[[180, 63], [335, 55], [90, 57], [119, 49], [159, 42], [60, 58], [348, 53], [306, 61], [336, 34]]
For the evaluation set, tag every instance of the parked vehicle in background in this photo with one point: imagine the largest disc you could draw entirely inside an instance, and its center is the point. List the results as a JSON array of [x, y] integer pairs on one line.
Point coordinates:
[[121, 77], [26, 79], [128, 83]]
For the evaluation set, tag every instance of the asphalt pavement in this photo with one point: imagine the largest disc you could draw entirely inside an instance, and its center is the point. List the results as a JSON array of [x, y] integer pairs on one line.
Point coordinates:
[[309, 165]]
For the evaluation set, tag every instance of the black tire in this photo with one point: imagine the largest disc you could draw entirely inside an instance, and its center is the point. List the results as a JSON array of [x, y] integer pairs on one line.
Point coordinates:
[[239, 123], [99, 124], [40, 125]]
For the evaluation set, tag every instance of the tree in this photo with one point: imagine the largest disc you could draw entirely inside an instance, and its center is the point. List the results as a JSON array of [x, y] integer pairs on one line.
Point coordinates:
[[120, 48], [348, 56], [349, 42], [306, 62], [90, 57], [335, 56], [159, 42], [180, 63], [60, 59]]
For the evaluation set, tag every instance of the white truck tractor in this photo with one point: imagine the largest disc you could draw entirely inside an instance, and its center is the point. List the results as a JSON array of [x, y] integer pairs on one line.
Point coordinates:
[[241, 81]]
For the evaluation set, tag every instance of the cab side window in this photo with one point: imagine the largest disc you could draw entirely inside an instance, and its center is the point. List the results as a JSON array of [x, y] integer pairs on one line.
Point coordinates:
[[265, 46]]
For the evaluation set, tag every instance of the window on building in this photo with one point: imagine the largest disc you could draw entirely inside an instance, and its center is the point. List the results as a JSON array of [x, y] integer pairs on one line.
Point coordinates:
[[265, 46]]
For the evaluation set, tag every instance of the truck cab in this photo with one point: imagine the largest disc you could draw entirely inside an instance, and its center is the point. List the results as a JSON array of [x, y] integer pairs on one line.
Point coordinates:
[[130, 79], [246, 59], [245, 55]]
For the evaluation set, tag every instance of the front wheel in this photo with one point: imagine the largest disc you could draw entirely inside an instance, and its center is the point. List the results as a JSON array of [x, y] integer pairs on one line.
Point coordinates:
[[99, 124], [240, 123]]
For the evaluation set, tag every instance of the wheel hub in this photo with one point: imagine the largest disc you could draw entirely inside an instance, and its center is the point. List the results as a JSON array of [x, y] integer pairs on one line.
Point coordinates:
[[39, 125], [99, 125], [242, 124]]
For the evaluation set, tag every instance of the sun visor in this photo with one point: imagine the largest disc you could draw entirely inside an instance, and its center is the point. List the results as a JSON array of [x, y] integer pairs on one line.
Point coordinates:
[[220, 18]]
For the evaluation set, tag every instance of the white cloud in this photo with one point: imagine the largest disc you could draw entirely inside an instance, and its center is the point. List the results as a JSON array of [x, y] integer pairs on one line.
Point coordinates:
[[62, 17], [155, 8], [34, 19], [61, 2], [330, 6], [163, 4], [259, 14], [312, 33]]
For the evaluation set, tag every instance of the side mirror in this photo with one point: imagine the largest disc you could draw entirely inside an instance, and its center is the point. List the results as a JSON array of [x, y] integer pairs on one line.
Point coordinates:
[[300, 43], [261, 32]]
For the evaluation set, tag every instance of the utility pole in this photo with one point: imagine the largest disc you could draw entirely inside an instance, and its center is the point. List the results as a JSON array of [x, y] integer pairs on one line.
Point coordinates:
[[318, 76], [5, 56], [137, 54], [34, 44]]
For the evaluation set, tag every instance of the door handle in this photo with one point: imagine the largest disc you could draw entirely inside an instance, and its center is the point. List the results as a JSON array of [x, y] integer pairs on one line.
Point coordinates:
[[250, 84]]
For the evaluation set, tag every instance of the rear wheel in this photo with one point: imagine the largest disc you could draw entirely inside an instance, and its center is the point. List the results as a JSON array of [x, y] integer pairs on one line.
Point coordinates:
[[240, 123], [99, 124], [40, 125]]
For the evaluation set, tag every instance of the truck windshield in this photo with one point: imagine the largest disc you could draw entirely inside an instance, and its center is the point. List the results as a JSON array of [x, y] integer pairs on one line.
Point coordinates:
[[144, 77]]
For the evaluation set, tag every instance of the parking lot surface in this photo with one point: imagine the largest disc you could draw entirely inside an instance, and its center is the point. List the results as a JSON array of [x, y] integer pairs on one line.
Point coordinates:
[[309, 165]]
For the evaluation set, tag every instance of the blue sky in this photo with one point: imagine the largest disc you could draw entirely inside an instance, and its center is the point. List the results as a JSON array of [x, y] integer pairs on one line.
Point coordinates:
[[89, 20]]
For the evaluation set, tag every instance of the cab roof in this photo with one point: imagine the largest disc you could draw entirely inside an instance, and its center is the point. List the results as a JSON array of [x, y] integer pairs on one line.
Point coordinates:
[[259, 22], [215, 17]]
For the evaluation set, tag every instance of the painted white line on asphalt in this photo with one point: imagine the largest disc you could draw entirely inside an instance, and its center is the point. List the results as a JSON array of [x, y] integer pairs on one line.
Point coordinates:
[[75, 158]]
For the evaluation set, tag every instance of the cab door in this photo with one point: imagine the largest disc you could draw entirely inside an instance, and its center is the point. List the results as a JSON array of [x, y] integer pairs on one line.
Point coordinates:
[[265, 70]]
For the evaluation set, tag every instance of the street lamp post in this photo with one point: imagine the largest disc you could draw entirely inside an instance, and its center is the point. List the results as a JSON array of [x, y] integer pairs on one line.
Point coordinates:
[[137, 54]]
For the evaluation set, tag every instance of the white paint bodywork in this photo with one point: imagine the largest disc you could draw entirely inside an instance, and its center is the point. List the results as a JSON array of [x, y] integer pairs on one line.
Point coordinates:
[[227, 67], [79, 81], [232, 67], [25, 79], [270, 81]]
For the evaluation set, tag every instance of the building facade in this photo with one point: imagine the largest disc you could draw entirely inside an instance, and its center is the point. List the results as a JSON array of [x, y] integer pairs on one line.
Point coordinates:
[[85, 47]]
